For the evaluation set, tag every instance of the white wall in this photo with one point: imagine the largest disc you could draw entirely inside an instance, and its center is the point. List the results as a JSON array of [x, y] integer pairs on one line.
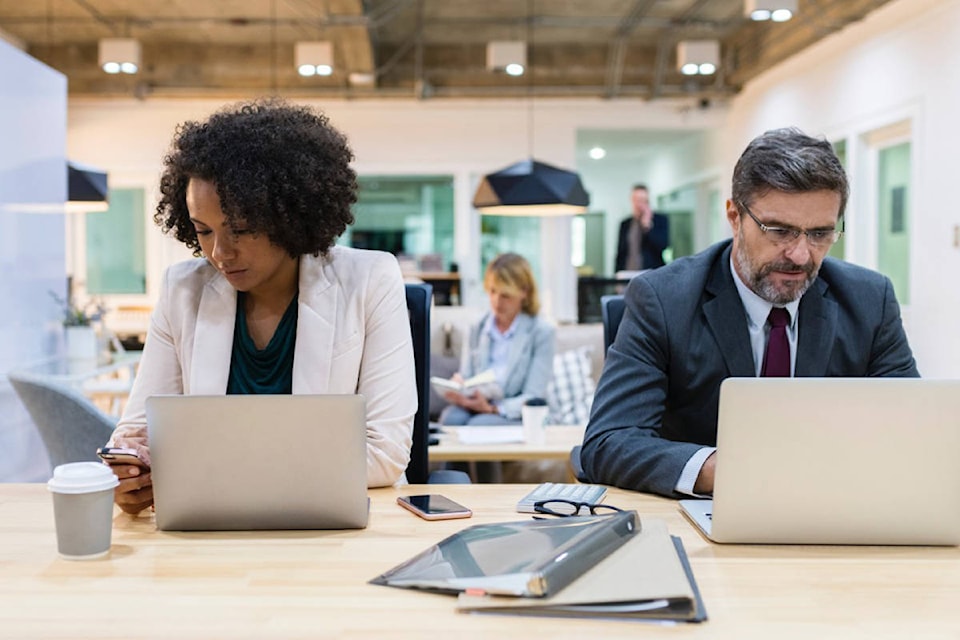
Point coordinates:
[[33, 106], [692, 162], [899, 63], [463, 138]]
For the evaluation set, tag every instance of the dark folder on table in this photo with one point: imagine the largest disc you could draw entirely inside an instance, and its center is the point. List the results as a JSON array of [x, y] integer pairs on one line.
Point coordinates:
[[533, 558], [649, 577]]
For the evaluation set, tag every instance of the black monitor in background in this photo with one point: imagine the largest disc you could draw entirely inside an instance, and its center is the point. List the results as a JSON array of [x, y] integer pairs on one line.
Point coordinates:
[[381, 240]]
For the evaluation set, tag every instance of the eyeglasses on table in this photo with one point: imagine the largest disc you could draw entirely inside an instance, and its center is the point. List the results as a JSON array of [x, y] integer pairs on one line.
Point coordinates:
[[561, 507]]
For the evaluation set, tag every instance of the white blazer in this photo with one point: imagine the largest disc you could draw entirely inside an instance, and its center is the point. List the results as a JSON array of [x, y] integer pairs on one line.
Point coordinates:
[[353, 336]]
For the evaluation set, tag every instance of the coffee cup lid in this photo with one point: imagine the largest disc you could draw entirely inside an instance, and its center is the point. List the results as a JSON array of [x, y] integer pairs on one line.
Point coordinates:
[[535, 402], [82, 477]]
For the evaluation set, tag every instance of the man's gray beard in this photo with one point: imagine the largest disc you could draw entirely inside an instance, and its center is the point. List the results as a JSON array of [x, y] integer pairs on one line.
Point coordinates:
[[763, 287]]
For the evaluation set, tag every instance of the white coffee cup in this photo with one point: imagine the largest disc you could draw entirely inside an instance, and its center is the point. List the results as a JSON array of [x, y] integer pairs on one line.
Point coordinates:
[[534, 415], [83, 509]]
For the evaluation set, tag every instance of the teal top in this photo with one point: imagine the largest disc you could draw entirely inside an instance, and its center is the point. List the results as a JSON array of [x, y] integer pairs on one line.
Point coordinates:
[[269, 371]]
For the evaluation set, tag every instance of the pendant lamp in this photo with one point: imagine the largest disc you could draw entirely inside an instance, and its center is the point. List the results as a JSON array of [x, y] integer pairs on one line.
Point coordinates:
[[86, 188], [531, 188]]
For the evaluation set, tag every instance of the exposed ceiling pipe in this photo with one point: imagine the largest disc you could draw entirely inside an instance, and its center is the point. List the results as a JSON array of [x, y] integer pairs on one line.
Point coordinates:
[[624, 29]]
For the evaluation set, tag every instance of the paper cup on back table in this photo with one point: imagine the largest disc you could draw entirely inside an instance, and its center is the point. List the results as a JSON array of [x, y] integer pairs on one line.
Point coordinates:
[[534, 415], [83, 508]]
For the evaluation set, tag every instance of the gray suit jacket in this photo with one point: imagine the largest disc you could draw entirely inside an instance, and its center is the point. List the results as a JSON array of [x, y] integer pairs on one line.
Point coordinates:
[[684, 331], [529, 367]]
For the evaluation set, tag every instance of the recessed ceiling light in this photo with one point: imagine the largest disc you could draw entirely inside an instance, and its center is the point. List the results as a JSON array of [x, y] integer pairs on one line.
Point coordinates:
[[313, 58], [597, 153]]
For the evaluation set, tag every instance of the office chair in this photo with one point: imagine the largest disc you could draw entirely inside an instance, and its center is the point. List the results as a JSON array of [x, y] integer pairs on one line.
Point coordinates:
[[70, 425], [576, 469], [418, 308], [611, 313]]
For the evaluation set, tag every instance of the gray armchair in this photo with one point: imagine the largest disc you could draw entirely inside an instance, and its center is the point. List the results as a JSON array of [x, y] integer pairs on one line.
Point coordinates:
[[70, 425]]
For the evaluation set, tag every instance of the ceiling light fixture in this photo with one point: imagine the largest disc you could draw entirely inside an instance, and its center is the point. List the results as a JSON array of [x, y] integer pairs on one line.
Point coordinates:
[[698, 57], [508, 56], [531, 188], [361, 79], [597, 153], [776, 10], [119, 55], [314, 58]]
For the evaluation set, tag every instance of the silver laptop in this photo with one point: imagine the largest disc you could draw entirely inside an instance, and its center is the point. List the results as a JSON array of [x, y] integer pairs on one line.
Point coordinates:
[[835, 461], [245, 462]]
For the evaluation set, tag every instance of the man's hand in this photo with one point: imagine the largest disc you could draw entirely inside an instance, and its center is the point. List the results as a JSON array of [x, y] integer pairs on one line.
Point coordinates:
[[704, 483], [646, 219]]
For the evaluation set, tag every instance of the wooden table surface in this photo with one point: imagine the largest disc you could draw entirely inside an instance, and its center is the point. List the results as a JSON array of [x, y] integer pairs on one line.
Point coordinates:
[[313, 584]]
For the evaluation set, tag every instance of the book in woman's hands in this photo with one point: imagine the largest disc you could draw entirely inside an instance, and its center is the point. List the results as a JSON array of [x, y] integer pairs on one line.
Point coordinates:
[[484, 383]]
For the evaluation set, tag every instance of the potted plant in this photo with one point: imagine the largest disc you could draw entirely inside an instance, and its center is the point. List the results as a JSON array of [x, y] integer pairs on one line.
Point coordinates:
[[79, 334]]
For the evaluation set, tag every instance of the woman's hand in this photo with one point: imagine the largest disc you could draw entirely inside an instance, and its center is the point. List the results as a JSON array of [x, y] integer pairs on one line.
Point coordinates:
[[135, 491], [476, 403]]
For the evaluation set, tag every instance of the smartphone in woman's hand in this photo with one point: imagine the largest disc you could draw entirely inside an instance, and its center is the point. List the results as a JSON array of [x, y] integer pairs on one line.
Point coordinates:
[[121, 455]]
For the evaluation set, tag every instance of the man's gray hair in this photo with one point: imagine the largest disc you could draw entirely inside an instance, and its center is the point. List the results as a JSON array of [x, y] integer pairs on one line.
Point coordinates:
[[788, 160]]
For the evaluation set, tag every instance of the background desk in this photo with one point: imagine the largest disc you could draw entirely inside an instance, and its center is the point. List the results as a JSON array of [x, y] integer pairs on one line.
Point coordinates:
[[559, 441], [77, 373], [313, 584], [446, 285], [106, 383]]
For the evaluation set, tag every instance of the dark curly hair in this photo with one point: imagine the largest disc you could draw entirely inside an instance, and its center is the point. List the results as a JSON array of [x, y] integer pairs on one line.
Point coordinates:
[[279, 169]]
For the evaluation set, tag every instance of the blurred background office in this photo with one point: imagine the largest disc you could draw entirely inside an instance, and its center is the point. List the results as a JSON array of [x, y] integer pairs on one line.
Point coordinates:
[[430, 111]]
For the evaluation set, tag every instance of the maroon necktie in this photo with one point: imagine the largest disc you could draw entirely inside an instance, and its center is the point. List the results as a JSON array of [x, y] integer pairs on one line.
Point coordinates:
[[776, 361]]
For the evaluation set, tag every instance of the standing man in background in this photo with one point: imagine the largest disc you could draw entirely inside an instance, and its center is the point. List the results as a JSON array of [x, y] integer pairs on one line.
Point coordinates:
[[643, 236]]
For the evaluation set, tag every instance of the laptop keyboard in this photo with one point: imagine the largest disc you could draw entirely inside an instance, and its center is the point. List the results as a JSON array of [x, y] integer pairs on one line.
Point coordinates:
[[590, 493]]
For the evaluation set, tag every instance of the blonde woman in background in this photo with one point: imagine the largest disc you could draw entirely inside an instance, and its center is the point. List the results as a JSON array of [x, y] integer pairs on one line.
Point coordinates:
[[511, 341]]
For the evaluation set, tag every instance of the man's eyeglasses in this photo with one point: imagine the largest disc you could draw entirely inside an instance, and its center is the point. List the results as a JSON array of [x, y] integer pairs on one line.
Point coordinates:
[[787, 235], [560, 507]]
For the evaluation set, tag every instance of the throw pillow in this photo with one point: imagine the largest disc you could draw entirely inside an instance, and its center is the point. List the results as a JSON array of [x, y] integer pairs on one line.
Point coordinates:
[[570, 393], [442, 367]]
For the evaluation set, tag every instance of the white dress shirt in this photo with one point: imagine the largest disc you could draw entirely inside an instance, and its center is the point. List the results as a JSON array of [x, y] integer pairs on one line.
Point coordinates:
[[757, 310]]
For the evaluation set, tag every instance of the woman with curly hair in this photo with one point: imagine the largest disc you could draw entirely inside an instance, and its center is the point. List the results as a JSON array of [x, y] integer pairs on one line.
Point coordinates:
[[260, 191]]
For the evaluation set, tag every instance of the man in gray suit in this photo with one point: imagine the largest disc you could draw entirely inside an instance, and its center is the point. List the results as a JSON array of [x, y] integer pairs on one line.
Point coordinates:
[[701, 319]]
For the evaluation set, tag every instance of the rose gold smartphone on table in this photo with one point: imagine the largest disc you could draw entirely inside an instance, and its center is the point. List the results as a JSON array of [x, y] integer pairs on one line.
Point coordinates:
[[434, 507]]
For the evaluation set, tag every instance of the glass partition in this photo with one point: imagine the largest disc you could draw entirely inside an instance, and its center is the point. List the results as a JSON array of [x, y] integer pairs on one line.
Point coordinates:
[[409, 216], [515, 234], [893, 232], [838, 250], [679, 207], [116, 245]]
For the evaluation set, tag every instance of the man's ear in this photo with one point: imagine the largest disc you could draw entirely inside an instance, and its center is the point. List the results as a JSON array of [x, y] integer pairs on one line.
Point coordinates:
[[733, 217]]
